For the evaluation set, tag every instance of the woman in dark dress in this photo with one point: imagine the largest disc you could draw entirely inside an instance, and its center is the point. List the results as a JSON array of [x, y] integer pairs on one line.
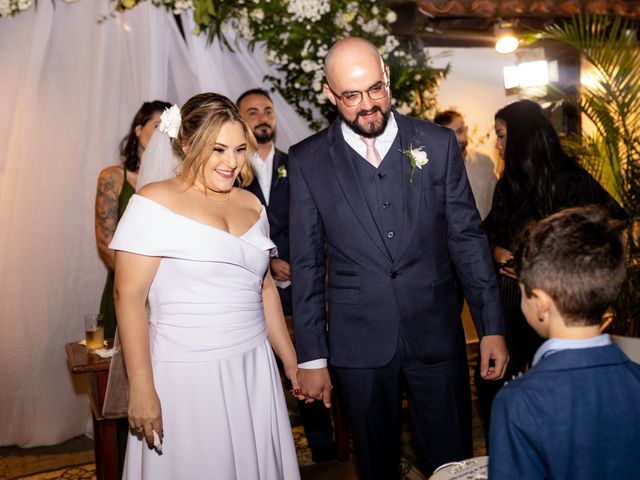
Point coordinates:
[[539, 179], [116, 184]]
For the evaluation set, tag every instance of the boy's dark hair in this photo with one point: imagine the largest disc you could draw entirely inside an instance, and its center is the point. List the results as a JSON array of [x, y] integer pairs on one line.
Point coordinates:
[[253, 91], [446, 117], [577, 257]]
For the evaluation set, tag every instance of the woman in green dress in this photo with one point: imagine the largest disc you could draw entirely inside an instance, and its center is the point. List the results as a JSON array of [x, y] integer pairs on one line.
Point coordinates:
[[116, 184]]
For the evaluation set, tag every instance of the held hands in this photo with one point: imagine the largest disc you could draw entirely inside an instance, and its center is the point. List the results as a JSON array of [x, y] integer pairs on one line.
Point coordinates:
[[145, 415], [493, 357], [315, 384], [504, 258], [280, 270]]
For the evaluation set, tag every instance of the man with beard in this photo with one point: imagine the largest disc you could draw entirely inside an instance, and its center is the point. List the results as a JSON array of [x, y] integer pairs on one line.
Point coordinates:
[[271, 186], [383, 201]]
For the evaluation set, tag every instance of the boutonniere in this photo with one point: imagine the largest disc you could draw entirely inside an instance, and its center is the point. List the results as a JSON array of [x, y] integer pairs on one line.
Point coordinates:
[[418, 158], [282, 173]]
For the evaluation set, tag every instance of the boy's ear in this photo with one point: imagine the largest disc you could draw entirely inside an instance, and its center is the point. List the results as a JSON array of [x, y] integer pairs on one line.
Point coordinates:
[[543, 302]]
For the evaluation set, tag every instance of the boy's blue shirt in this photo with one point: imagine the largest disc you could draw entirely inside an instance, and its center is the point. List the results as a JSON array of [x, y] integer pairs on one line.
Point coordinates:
[[556, 344], [573, 415]]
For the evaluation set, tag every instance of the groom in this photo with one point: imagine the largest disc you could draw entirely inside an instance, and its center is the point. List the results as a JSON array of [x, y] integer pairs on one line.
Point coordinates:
[[391, 238]]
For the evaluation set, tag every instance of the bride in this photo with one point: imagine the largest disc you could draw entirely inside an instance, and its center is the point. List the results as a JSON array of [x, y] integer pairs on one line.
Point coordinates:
[[203, 378]]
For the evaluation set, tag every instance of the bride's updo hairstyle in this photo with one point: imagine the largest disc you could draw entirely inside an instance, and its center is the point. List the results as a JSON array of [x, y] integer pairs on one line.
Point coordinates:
[[203, 116]]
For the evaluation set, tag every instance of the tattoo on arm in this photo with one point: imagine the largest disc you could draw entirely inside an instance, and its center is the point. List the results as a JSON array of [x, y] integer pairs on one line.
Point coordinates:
[[106, 215]]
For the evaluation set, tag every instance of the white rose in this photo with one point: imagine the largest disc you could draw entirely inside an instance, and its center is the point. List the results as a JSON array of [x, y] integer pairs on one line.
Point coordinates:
[[420, 157], [391, 16], [257, 14], [170, 121], [307, 66]]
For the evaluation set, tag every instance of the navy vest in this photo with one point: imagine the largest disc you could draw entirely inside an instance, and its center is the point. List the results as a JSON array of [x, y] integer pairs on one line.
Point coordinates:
[[382, 188]]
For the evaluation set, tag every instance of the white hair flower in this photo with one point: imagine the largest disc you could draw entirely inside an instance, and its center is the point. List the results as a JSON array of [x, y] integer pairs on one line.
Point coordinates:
[[170, 121]]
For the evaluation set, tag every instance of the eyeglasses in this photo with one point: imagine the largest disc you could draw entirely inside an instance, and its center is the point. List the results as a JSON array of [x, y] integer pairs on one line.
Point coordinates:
[[352, 99]]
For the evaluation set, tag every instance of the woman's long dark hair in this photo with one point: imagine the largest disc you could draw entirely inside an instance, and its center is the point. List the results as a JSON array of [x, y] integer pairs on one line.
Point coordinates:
[[130, 143], [533, 157]]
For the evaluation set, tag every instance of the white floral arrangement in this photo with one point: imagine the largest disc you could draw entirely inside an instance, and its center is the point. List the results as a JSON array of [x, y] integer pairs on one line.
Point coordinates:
[[417, 157], [170, 121], [9, 8]]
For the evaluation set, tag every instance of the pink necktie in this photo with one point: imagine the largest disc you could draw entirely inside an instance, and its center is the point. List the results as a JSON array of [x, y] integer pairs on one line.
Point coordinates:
[[373, 156]]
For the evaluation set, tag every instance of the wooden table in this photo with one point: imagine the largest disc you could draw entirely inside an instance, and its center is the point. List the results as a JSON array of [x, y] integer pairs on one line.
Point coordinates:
[[104, 430]]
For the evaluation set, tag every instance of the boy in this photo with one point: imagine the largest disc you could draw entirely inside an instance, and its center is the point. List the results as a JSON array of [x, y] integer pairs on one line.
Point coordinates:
[[575, 413]]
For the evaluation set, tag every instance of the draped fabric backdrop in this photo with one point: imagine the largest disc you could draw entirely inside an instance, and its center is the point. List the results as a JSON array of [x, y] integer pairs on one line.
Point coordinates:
[[69, 88]]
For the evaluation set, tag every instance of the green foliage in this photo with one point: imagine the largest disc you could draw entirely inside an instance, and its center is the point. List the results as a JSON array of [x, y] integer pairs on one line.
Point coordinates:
[[611, 101]]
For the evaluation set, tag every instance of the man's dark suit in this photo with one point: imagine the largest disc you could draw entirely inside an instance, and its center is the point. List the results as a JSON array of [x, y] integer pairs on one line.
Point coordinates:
[[573, 415], [278, 214], [376, 302]]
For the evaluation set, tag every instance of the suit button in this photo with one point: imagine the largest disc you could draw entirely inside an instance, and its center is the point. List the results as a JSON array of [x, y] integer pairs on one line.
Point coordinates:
[[380, 175], [390, 234], [393, 274], [386, 204]]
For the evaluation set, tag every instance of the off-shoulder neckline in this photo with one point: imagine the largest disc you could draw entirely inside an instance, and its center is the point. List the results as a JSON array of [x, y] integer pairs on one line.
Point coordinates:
[[206, 225]]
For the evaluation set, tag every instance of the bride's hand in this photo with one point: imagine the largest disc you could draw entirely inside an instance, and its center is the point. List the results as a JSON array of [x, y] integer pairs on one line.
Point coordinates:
[[291, 371], [145, 413]]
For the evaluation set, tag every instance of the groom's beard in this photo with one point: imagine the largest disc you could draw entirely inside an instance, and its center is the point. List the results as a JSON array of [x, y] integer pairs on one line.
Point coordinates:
[[371, 129], [264, 133]]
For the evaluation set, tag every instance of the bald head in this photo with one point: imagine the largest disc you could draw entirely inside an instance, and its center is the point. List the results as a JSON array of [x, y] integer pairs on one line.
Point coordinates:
[[358, 85], [349, 53]]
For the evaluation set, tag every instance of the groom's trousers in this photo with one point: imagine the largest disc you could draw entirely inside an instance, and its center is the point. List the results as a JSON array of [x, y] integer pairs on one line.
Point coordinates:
[[439, 401]]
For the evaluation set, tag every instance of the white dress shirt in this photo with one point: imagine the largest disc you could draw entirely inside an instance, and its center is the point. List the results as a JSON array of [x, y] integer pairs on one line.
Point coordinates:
[[264, 171], [383, 144], [482, 178]]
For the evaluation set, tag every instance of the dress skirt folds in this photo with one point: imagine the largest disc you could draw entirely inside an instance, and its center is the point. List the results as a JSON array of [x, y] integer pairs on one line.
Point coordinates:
[[223, 409]]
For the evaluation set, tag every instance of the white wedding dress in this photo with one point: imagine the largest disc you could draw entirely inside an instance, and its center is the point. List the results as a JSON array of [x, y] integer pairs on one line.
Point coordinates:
[[223, 409]]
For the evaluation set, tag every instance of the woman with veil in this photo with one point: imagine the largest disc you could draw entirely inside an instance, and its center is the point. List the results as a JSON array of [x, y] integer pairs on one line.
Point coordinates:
[[204, 389]]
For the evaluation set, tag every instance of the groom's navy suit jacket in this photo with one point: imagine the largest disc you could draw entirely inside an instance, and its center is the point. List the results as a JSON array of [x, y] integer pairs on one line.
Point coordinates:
[[370, 294]]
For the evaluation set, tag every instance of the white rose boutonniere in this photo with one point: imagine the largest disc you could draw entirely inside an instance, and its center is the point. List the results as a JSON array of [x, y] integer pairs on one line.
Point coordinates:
[[170, 121], [282, 173], [418, 158]]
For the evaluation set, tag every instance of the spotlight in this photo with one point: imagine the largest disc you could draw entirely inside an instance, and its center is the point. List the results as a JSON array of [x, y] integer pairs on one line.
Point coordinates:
[[507, 42]]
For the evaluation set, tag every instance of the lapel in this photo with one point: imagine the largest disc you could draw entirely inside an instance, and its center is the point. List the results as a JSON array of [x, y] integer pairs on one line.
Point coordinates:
[[412, 191], [347, 178]]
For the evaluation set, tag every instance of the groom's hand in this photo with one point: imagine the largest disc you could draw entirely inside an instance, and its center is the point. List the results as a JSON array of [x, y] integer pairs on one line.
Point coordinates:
[[315, 384], [493, 357]]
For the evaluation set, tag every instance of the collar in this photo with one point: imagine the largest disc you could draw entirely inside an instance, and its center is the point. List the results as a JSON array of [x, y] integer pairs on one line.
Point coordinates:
[[557, 344], [383, 141], [267, 161]]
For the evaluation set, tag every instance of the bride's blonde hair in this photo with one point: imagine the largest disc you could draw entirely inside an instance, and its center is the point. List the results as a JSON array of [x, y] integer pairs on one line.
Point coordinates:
[[203, 116]]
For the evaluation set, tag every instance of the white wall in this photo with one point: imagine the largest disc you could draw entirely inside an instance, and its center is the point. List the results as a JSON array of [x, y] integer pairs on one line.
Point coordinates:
[[474, 87]]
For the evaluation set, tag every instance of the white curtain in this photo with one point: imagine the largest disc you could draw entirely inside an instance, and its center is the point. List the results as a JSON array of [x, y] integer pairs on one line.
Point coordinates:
[[69, 88]]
